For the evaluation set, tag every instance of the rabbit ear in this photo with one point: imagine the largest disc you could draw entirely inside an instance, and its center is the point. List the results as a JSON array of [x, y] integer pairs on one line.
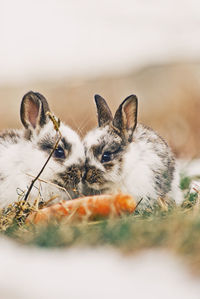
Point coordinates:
[[103, 111], [125, 119], [33, 110]]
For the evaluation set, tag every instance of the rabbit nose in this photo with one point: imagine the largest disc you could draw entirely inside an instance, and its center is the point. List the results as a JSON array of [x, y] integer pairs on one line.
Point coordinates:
[[93, 175], [84, 176], [85, 172], [72, 176]]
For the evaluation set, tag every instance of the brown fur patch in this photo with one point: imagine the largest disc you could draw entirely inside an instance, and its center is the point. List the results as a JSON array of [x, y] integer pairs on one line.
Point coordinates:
[[94, 176], [71, 177]]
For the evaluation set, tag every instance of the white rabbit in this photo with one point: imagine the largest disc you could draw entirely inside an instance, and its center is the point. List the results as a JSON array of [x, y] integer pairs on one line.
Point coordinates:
[[123, 155], [24, 152]]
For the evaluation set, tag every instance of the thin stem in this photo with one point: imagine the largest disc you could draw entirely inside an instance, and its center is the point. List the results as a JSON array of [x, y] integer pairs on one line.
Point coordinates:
[[52, 184], [138, 203], [41, 171], [56, 127]]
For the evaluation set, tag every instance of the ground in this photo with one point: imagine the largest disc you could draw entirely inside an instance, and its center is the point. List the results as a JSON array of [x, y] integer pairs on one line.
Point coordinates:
[[144, 253]]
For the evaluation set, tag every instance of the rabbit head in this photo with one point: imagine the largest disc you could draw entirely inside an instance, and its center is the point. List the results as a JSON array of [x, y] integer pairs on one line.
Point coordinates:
[[68, 159], [123, 155], [24, 152], [106, 145]]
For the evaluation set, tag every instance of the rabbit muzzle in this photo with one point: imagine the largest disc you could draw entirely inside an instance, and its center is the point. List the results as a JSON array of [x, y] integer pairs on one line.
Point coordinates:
[[70, 178], [94, 177]]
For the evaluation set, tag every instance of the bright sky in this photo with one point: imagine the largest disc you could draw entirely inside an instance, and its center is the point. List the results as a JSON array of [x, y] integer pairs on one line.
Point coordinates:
[[55, 38]]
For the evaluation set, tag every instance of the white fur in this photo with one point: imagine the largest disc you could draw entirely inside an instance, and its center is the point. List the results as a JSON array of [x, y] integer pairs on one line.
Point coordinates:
[[139, 159], [19, 160]]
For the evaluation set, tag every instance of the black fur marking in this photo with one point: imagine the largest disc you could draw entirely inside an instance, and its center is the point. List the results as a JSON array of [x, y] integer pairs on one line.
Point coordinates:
[[111, 142], [47, 143], [115, 146], [10, 136], [67, 146], [114, 155]]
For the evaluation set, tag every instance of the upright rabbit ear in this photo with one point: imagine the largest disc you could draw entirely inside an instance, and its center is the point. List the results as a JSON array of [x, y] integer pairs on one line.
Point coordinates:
[[103, 111], [33, 110], [125, 119]]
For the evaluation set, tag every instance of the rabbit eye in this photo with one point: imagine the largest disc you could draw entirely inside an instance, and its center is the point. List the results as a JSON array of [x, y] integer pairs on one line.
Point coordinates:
[[106, 157], [59, 153]]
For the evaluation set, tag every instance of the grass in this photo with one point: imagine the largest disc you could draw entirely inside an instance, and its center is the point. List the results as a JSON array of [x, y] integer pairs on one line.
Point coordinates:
[[177, 230]]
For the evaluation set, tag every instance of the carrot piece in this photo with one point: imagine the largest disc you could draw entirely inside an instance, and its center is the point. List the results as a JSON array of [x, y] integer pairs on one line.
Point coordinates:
[[89, 207]]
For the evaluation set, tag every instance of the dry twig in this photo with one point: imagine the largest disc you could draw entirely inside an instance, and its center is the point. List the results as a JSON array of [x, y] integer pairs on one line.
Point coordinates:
[[56, 124]]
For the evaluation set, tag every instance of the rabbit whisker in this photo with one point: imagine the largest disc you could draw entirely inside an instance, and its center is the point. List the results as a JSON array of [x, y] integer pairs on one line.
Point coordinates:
[[52, 184]]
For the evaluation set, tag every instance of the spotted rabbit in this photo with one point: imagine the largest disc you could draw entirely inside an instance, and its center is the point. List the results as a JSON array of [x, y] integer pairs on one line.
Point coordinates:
[[124, 155], [24, 152]]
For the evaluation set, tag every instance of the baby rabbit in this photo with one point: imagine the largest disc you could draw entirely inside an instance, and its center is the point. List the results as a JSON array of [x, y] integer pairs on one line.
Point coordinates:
[[24, 152], [123, 155]]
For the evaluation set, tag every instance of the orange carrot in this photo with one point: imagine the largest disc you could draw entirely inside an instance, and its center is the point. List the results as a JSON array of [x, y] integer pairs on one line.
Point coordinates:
[[88, 208]]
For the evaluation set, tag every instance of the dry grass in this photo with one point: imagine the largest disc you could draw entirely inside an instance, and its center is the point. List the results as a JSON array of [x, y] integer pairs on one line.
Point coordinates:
[[176, 229], [170, 103]]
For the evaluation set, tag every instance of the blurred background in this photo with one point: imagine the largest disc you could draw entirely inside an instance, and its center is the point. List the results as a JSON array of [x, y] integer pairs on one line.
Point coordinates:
[[70, 50]]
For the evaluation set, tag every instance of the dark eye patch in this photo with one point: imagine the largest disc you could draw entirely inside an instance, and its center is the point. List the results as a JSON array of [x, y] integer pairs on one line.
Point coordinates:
[[114, 148], [67, 146], [97, 149], [46, 144], [59, 153], [108, 156], [109, 153]]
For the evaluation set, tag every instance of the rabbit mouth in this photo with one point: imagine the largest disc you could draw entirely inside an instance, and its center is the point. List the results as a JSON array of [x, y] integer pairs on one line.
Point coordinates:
[[95, 181], [94, 189], [70, 179], [95, 186]]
